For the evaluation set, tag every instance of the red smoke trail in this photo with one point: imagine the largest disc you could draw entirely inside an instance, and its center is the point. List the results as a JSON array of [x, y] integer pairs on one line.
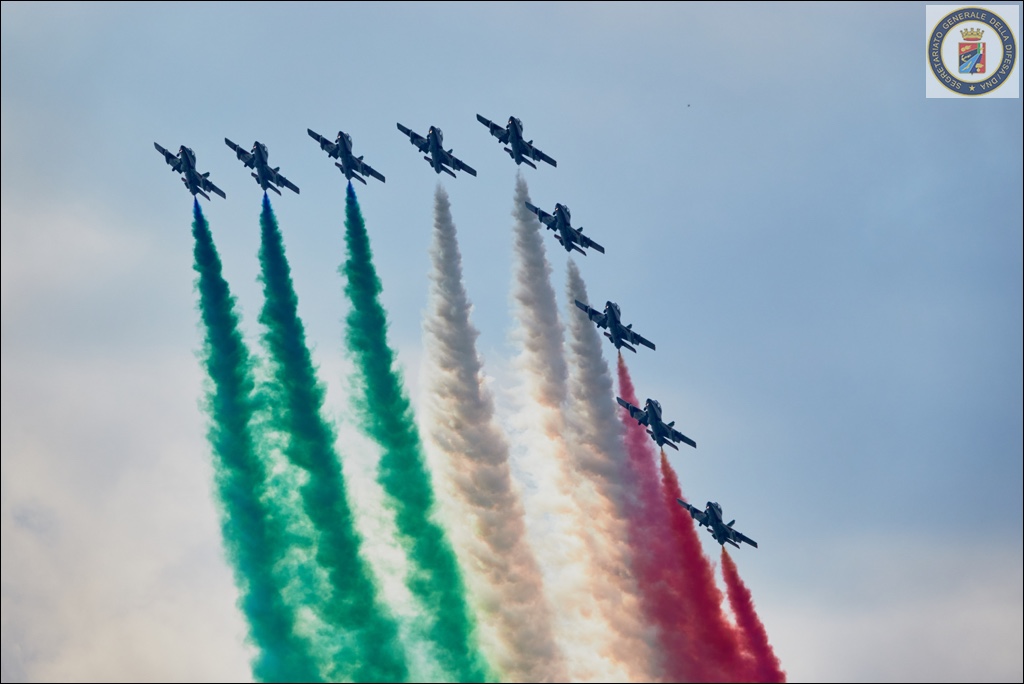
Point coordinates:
[[657, 562], [766, 666], [718, 642]]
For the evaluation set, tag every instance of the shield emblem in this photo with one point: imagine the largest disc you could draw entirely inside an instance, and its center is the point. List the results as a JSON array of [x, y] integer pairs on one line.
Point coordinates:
[[972, 58]]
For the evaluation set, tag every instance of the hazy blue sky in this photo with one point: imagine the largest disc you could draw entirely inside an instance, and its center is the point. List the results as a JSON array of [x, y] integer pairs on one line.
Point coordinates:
[[829, 263]]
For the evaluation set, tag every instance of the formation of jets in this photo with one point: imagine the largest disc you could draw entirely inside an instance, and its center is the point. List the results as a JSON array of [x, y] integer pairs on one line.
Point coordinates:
[[354, 168], [521, 151]]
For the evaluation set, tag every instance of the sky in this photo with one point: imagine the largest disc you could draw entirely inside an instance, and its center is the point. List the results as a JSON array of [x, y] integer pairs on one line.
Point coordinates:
[[830, 264]]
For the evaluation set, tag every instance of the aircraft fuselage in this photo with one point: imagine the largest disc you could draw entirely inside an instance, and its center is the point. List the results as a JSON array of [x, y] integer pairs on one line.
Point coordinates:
[[615, 327], [515, 139], [435, 138]]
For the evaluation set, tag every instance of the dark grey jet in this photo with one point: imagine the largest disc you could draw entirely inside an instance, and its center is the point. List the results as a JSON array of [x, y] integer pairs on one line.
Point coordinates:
[[432, 147], [341, 149], [620, 335], [571, 238], [512, 135], [267, 178], [661, 432], [711, 518], [185, 164]]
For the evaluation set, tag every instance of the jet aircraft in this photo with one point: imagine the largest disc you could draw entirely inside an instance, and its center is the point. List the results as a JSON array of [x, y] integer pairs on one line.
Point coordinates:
[[185, 164], [341, 148], [711, 518], [620, 335], [432, 146], [661, 432], [267, 178], [571, 238], [512, 135]]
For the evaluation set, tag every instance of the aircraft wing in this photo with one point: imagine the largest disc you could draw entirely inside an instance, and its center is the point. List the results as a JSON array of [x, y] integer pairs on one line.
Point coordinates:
[[497, 131], [458, 164], [695, 513], [416, 139], [210, 187], [244, 156], [545, 218], [637, 414], [325, 144], [171, 159], [739, 536], [678, 436], [637, 338], [593, 314], [284, 182], [540, 156], [586, 242], [370, 171]]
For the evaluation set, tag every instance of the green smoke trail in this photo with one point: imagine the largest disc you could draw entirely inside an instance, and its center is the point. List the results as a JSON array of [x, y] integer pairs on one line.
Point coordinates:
[[254, 541], [386, 415], [369, 649]]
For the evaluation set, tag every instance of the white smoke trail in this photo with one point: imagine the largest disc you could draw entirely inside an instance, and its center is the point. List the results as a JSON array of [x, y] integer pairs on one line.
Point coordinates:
[[598, 454], [578, 581], [500, 567]]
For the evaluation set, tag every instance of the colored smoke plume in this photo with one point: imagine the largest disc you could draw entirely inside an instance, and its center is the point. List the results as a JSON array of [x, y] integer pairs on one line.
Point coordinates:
[[766, 667], [463, 428], [253, 537], [720, 646], [385, 414], [368, 647], [561, 531]]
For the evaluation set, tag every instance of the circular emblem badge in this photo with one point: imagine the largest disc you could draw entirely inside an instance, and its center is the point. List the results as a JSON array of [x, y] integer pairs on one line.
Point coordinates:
[[972, 51]]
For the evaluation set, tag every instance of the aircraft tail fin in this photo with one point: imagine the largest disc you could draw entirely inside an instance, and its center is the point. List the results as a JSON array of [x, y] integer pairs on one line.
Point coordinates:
[[578, 249], [200, 192], [629, 347], [359, 178], [529, 163], [448, 171], [730, 541]]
